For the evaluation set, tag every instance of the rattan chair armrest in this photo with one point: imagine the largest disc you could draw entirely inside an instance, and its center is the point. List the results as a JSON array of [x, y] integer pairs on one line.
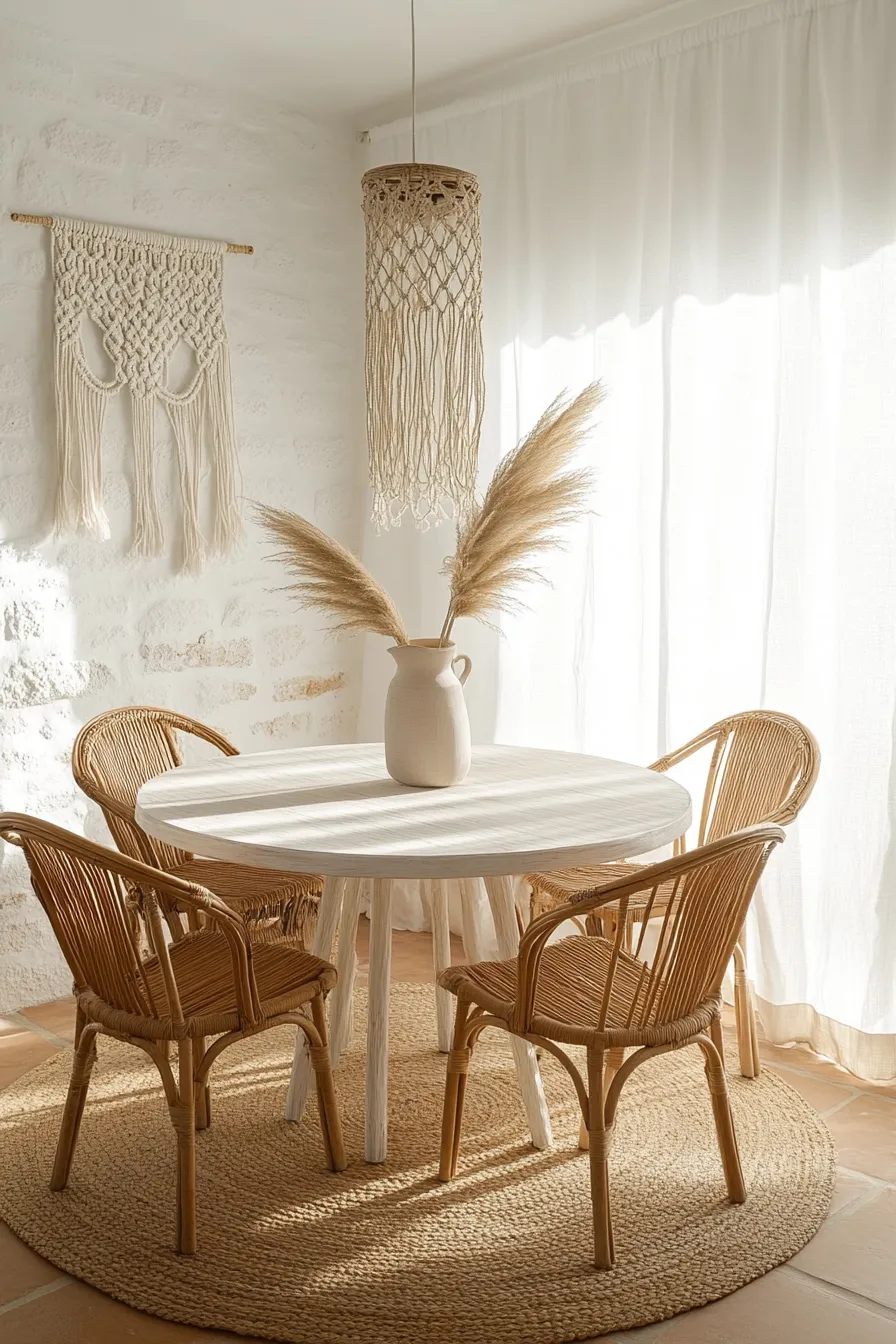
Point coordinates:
[[210, 735], [227, 921], [536, 935], [682, 753]]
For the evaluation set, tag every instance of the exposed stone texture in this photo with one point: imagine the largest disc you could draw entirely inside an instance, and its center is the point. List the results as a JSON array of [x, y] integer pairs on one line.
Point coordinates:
[[306, 688], [82, 144], [213, 694], [334, 727], [23, 620], [85, 626], [283, 644], [174, 614], [283, 726], [32, 969], [202, 652], [41, 680], [98, 678], [131, 100]]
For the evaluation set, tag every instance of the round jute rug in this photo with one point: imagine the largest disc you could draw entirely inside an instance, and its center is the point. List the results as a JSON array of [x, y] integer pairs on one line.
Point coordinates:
[[387, 1254]]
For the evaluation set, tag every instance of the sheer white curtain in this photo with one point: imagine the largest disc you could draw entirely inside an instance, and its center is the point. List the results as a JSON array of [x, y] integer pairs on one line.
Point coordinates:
[[709, 225]]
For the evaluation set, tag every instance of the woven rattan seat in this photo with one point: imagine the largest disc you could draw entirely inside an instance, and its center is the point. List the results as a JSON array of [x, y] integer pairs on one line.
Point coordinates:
[[762, 769], [215, 981], [594, 992], [116, 753], [566, 1007], [285, 978]]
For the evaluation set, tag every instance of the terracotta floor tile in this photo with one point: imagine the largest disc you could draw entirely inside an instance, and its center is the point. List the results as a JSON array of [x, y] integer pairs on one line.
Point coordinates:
[[411, 953], [801, 1057], [20, 1269], [865, 1134], [21, 1050], [781, 1308], [819, 1093], [79, 1315], [848, 1188], [646, 1335], [858, 1251], [58, 1017]]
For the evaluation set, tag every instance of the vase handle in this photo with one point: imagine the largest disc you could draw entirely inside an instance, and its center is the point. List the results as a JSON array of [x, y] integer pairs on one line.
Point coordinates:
[[468, 667]]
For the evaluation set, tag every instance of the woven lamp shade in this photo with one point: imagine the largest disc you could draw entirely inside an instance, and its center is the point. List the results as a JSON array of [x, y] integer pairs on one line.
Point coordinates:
[[424, 365]]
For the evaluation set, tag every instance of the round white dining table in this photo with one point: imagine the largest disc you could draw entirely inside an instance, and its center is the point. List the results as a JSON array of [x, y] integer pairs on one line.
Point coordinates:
[[334, 810]]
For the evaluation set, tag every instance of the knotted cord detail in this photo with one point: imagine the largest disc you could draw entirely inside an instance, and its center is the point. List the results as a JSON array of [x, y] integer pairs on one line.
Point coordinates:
[[146, 292]]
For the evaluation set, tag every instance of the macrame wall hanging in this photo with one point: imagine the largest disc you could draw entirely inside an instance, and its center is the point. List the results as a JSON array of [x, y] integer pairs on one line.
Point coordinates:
[[147, 293], [424, 364]]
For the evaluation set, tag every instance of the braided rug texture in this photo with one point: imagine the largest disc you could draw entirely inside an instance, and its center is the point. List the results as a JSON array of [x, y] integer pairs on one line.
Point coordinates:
[[386, 1254]]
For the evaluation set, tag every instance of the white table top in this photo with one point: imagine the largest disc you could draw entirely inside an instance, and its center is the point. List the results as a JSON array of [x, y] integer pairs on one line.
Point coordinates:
[[334, 810]]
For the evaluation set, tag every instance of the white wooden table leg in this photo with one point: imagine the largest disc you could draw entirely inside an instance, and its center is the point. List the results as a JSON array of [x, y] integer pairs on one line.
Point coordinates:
[[376, 1117], [342, 998], [500, 898], [470, 908], [324, 935], [436, 894]]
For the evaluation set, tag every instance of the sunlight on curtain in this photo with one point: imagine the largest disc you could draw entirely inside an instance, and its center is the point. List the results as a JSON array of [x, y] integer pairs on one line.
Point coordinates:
[[709, 225]]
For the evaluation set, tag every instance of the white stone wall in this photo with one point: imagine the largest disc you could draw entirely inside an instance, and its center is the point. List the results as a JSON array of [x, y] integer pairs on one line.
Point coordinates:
[[83, 626]]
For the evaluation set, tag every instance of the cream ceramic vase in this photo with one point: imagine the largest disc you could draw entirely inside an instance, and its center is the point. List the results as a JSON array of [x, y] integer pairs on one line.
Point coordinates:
[[427, 729]]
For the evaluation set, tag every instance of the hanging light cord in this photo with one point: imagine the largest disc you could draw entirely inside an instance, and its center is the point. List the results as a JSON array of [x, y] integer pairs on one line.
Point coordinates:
[[413, 85]]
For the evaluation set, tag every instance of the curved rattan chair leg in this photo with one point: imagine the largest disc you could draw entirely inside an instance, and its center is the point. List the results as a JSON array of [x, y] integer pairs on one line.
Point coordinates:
[[721, 1110], [715, 1035], [82, 1067], [80, 1024], [743, 1013], [327, 1105], [613, 1062], [203, 1097], [598, 1153], [754, 1029], [455, 1087], [183, 1117]]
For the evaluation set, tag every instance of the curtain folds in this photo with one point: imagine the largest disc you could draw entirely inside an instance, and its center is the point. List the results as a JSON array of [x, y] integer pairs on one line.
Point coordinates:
[[709, 225]]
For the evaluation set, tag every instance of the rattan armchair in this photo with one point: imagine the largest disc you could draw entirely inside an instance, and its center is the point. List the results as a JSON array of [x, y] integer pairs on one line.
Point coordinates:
[[762, 769], [216, 982], [115, 754], [593, 992]]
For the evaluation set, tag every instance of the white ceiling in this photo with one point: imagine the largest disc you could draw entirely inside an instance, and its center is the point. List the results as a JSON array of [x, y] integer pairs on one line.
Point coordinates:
[[346, 60]]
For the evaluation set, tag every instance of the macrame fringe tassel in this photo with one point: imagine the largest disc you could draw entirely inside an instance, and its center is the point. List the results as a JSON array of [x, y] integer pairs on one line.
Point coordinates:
[[147, 524], [426, 393], [81, 409], [186, 418], [228, 529]]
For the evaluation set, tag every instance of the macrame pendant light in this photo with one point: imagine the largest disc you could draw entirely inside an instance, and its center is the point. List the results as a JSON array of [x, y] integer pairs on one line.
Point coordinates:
[[424, 364]]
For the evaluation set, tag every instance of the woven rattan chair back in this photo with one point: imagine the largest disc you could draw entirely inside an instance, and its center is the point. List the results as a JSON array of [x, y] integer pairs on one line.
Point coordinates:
[[97, 902], [763, 768], [703, 897], [118, 752]]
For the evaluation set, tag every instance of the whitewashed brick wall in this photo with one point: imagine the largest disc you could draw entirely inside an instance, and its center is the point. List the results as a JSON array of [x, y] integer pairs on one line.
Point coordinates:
[[82, 625]]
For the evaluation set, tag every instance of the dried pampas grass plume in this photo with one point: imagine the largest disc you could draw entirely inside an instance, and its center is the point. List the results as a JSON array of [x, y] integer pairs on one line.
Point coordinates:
[[328, 577], [532, 496]]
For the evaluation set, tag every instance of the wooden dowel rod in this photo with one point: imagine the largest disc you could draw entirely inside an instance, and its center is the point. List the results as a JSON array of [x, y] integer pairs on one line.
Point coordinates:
[[47, 220]]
